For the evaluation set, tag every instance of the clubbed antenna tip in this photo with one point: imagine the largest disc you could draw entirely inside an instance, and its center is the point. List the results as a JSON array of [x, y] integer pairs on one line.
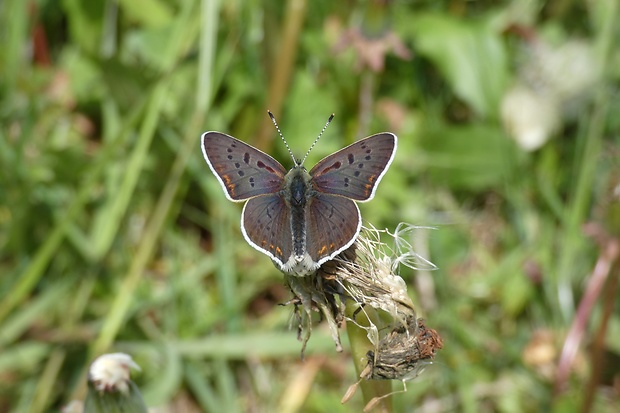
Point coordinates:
[[273, 119], [318, 137]]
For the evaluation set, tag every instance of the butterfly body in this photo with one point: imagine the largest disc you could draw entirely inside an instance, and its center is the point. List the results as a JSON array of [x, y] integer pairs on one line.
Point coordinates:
[[300, 219], [297, 193]]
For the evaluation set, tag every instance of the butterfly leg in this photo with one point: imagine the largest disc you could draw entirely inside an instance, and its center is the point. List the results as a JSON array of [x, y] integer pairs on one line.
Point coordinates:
[[331, 322], [304, 299], [357, 311], [296, 302]]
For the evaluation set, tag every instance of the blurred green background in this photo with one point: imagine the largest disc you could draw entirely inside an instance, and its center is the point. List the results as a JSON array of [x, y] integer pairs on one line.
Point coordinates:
[[115, 236]]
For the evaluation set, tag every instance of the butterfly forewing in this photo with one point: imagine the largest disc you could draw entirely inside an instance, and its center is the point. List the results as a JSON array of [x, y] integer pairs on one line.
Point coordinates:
[[243, 171], [266, 225], [332, 224], [355, 171]]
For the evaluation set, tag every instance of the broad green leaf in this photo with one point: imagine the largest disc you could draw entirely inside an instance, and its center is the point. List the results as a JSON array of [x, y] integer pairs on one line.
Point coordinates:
[[86, 22], [470, 54], [150, 13], [474, 157]]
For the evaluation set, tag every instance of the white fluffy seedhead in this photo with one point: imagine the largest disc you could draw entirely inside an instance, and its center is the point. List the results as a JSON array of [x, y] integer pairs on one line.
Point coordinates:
[[110, 372], [372, 278]]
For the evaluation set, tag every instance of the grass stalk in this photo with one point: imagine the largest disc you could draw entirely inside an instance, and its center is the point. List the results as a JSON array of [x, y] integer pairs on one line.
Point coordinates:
[[282, 67], [121, 304], [360, 345], [572, 238]]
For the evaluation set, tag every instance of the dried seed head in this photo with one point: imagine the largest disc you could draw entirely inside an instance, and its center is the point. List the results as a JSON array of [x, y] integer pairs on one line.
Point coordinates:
[[404, 352], [110, 372], [372, 279], [401, 355], [366, 273]]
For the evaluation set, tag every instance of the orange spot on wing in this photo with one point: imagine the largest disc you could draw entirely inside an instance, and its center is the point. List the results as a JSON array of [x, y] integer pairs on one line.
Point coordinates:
[[278, 251], [323, 250], [228, 183]]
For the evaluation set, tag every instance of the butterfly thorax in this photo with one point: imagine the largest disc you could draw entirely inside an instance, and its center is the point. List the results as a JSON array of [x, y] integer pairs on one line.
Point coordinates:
[[297, 187]]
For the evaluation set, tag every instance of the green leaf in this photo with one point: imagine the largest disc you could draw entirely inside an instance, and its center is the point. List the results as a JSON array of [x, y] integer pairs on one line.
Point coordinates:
[[470, 54], [516, 293], [150, 13], [473, 157], [85, 22]]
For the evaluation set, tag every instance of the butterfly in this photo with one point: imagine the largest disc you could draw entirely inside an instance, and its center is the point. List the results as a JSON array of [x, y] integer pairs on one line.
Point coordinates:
[[299, 219]]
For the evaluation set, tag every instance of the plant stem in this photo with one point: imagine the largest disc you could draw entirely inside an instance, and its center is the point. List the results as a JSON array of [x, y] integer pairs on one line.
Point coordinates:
[[360, 345]]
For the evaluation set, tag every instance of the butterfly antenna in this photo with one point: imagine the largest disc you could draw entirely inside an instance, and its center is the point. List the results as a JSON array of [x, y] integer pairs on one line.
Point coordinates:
[[273, 119], [317, 138]]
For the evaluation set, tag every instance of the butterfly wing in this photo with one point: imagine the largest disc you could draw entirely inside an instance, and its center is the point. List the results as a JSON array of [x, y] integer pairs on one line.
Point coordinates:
[[332, 224], [243, 171], [266, 225], [355, 171]]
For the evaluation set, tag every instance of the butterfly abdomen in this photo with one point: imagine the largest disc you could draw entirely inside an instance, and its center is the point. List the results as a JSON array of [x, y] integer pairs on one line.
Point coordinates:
[[295, 193]]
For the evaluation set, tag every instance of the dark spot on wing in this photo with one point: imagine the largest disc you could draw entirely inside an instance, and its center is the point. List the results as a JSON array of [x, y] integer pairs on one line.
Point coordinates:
[[361, 165], [240, 173], [228, 150], [351, 158], [237, 164], [230, 157], [367, 157], [335, 165], [246, 158], [368, 150], [356, 173], [262, 165], [346, 182], [251, 180]]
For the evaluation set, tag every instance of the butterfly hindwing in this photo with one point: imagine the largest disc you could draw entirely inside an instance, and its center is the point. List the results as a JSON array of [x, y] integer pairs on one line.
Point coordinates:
[[332, 224], [266, 225], [243, 171], [355, 171]]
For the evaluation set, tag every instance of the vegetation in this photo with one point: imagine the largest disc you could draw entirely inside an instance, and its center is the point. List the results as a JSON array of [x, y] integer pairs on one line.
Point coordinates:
[[115, 236]]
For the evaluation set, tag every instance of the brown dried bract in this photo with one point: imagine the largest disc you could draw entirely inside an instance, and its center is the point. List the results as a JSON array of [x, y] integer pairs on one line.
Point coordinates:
[[401, 354]]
